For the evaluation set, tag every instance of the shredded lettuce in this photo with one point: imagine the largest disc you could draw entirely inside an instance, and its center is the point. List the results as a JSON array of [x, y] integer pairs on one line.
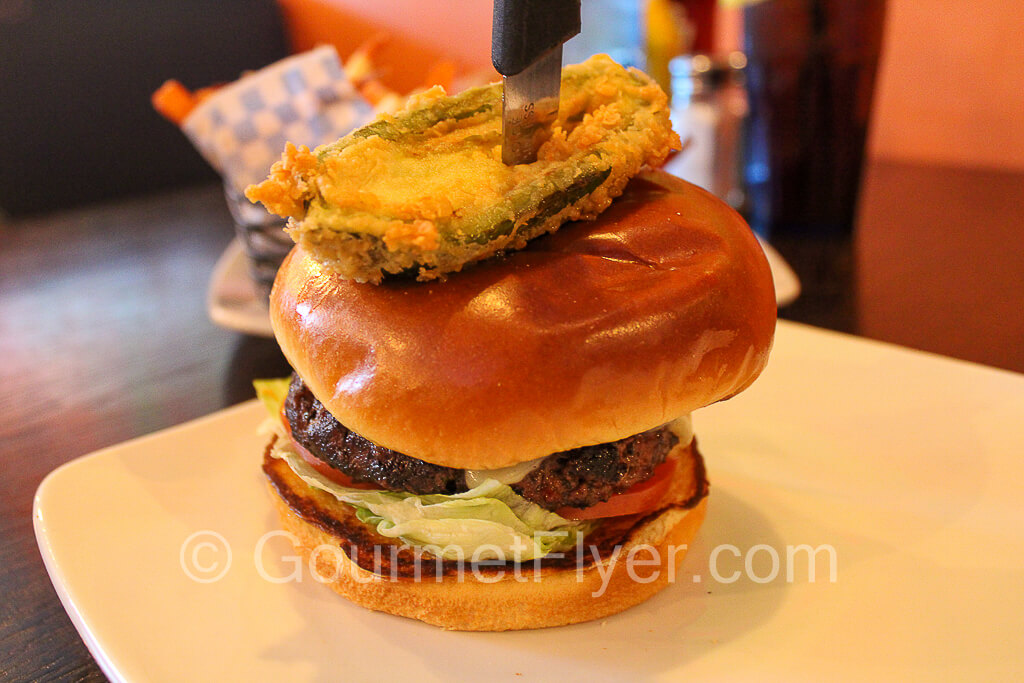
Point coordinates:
[[488, 522]]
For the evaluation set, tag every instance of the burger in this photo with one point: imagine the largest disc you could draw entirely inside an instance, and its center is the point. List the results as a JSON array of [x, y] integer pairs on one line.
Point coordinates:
[[512, 447], [488, 426]]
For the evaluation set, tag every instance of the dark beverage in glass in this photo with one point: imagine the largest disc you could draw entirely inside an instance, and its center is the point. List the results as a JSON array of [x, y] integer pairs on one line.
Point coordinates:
[[810, 82]]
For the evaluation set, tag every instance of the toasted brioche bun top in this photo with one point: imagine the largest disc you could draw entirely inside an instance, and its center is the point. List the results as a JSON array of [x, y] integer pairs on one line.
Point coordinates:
[[607, 328]]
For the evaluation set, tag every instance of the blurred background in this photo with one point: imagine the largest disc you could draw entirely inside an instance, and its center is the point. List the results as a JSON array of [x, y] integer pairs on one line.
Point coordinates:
[[75, 83], [75, 78]]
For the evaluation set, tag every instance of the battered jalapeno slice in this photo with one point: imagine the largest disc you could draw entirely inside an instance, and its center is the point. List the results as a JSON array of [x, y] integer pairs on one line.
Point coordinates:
[[425, 190]]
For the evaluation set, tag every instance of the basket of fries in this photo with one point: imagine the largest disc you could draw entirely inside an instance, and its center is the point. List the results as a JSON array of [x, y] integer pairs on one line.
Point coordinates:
[[241, 128]]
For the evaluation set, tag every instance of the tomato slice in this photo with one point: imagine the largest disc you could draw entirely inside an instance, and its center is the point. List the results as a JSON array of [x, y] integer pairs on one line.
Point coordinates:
[[328, 472], [641, 497], [337, 476]]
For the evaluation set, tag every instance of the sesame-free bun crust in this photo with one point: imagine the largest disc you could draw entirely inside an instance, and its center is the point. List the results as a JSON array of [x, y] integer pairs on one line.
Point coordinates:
[[325, 532], [607, 328]]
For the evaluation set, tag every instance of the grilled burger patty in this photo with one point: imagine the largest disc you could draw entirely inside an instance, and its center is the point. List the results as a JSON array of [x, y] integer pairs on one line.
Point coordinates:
[[315, 429], [592, 474], [580, 477]]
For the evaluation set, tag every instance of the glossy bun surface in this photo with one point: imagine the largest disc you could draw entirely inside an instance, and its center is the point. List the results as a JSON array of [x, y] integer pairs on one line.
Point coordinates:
[[662, 305]]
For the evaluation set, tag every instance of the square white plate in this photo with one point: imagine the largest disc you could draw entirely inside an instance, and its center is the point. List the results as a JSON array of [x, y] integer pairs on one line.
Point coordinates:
[[908, 466]]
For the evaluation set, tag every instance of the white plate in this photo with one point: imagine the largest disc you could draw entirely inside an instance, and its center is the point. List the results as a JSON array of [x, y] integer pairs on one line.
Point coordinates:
[[907, 465], [787, 284], [233, 302]]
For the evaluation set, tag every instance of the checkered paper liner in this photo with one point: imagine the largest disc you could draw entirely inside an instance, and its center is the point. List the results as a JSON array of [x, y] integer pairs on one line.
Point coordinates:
[[305, 99]]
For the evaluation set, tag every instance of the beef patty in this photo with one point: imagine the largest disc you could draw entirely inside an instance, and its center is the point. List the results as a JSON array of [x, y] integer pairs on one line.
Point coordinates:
[[580, 477]]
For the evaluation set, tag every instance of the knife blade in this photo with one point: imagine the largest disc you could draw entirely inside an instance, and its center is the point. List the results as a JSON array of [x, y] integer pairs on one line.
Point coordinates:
[[526, 49]]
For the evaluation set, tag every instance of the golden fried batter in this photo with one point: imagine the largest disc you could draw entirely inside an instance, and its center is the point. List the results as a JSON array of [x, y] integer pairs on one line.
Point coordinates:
[[426, 189]]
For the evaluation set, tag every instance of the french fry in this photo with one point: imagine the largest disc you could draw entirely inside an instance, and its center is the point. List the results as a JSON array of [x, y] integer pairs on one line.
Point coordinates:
[[440, 73], [203, 93], [173, 101], [375, 91], [361, 70], [360, 66]]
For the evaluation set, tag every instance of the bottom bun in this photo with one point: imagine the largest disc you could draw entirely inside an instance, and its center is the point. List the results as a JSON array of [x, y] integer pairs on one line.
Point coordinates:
[[620, 564]]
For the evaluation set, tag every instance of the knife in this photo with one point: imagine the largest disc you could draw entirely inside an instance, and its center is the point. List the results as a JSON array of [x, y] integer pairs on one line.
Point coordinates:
[[526, 49]]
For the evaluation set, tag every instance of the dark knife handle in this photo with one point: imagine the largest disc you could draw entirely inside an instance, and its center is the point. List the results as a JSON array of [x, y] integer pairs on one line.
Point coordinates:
[[523, 30]]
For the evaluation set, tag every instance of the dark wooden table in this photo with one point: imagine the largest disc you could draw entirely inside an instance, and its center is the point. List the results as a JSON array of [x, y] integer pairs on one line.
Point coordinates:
[[104, 335]]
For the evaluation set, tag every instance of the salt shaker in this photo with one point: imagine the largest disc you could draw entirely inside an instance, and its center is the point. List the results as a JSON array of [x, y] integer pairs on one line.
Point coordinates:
[[709, 108]]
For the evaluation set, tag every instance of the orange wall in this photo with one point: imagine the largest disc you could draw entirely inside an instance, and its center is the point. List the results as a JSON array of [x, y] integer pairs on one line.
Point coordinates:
[[951, 88], [461, 28], [422, 33]]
